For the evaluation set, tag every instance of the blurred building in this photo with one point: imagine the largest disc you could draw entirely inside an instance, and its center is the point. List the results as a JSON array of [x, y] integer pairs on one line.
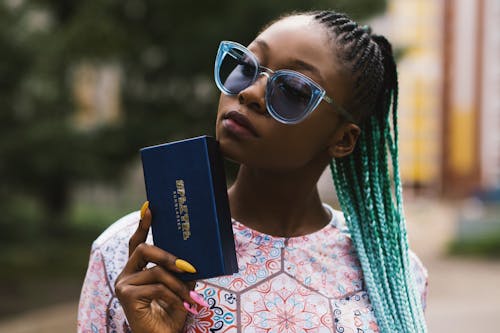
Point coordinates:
[[449, 92], [490, 94], [471, 99]]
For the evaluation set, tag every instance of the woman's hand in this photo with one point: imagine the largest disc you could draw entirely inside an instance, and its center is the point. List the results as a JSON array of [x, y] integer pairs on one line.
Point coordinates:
[[154, 300]]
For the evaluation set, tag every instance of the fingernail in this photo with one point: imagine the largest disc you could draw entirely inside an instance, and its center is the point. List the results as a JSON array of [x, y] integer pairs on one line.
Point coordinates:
[[188, 307], [144, 207], [198, 299], [185, 266]]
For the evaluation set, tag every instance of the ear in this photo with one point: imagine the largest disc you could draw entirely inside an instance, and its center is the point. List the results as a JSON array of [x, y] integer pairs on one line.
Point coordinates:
[[344, 140]]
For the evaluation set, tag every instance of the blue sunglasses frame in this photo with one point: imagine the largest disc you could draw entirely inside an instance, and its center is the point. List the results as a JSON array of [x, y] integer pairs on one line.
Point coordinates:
[[318, 94]]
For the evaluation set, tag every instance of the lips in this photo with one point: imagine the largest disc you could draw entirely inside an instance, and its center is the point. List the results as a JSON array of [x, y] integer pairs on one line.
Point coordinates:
[[242, 121]]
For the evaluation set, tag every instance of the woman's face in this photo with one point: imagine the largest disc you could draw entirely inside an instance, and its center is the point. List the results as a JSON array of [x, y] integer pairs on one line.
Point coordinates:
[[296, 43]]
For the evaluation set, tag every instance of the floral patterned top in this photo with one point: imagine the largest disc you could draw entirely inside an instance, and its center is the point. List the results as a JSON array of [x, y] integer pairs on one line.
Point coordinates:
[[310, 283]]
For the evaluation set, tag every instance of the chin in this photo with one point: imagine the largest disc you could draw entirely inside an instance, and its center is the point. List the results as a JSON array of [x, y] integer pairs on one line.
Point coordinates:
[[229, 150]]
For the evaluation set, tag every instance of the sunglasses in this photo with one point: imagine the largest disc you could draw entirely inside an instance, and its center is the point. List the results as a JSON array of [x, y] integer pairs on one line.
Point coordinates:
[[290, 96]]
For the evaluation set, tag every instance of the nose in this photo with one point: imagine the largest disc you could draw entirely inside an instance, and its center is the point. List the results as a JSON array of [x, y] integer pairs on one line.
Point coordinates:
[[253, 96]]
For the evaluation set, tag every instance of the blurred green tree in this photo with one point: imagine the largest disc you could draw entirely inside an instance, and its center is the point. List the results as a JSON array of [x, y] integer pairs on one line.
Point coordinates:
[[164, 50]]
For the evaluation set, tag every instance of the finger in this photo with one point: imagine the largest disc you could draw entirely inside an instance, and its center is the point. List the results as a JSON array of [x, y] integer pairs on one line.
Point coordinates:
[[158, 275], [147, 293], [190, 284], [162, 296], [145, 253], [141, 233]]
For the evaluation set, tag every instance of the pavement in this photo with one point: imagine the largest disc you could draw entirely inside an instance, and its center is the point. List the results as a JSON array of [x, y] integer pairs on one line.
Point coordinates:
[[464, 295]]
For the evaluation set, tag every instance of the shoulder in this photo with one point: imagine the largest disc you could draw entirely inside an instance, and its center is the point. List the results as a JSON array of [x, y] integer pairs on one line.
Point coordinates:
[[98, 306], [123, 227], [416, 267], [420, 277], [112, 245], [338, 221]]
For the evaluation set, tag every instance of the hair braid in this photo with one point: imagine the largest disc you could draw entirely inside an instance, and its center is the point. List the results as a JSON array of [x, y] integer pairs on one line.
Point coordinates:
[[377, 252], [372, 203]]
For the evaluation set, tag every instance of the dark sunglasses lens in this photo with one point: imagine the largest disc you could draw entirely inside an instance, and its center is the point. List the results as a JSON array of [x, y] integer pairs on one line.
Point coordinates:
[[237, 71], [289, 96]]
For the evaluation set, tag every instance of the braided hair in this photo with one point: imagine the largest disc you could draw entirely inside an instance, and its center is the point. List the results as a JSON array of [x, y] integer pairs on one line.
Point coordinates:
[[371, 201]]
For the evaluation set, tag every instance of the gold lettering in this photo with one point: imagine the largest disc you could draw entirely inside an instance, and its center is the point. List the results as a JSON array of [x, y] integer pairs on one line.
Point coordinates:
[[180, 188], [182, 209]]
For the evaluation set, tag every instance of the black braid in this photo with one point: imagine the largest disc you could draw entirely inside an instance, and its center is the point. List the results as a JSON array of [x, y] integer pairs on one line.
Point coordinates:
[[359, 52]]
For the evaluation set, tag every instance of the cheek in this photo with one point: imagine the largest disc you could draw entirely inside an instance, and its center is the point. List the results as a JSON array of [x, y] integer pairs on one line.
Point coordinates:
[[224, 105], [220, 107], [306, 142], [292, 149], [279, 147]]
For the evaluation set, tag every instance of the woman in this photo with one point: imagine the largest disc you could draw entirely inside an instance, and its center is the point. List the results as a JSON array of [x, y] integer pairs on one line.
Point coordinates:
[[313, 89]]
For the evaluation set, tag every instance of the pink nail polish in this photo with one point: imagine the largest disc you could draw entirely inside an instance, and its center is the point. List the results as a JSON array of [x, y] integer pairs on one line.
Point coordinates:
[[188, 307], [198, 299]]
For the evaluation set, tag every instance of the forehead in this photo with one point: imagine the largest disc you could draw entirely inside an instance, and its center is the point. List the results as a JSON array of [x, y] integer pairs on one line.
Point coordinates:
[[299, 38], [299, 26]]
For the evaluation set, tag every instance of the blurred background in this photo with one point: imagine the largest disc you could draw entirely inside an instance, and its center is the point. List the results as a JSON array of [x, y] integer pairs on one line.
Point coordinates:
[[85, 84]]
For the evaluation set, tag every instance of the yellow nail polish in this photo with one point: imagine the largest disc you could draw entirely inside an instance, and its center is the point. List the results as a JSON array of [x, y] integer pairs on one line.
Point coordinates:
[[185, 266], [143, 209]]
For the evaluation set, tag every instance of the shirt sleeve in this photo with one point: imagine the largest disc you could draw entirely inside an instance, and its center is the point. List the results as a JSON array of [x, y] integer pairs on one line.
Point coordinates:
[[99, 310], [421, 277]]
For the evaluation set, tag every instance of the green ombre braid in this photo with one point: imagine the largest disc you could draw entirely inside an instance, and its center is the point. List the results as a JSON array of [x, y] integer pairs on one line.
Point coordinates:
[[372, 203]]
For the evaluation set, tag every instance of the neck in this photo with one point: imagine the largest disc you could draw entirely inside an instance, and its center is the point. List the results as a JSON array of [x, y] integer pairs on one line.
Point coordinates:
[[285, 204]]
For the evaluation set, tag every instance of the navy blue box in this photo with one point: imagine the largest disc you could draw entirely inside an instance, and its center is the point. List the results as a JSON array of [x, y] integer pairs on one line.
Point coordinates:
[[187, 193]]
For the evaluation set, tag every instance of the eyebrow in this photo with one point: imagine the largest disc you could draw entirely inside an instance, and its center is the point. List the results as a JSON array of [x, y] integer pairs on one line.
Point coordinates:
[[262, 44], [295, 63]]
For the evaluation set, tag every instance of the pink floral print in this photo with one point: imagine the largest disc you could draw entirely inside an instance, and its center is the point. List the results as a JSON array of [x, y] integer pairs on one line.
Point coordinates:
[[312, 283]]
